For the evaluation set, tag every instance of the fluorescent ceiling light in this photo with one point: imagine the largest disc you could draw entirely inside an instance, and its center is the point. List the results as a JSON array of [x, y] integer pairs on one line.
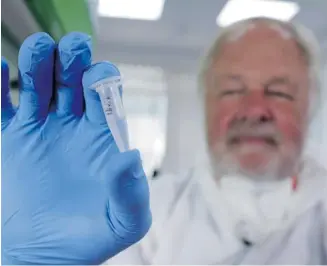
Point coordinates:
[[236, 10], [131, 9]]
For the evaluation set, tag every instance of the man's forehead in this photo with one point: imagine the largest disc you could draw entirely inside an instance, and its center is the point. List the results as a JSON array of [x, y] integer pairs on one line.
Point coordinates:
[[262, 29], [261, 37], [261, 46]]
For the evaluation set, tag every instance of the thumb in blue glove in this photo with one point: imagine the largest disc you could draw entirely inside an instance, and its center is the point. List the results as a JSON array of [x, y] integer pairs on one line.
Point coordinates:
[[68, 195]]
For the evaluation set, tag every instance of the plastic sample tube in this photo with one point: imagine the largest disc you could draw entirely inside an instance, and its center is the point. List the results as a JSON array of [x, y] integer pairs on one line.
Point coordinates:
[[112, 105]]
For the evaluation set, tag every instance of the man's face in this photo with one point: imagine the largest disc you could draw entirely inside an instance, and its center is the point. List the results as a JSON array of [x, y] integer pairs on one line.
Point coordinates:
[[257, 104]]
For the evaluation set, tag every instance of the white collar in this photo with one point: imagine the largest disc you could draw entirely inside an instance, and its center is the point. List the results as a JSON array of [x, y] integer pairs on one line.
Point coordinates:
[[238, 201]]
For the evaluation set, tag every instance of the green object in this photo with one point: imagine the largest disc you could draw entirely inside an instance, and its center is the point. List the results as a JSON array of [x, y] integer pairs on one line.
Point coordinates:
[[46, 15], [74, 15], [58, 17]]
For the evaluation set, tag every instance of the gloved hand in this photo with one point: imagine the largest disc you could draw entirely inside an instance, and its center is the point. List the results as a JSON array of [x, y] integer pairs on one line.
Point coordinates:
[[68, 195]]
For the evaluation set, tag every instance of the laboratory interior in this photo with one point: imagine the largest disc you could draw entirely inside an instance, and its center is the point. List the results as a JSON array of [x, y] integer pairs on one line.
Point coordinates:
[[158, 46]]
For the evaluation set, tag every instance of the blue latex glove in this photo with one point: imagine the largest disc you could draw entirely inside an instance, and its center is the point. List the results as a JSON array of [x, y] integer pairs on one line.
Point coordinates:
[[68, 195]]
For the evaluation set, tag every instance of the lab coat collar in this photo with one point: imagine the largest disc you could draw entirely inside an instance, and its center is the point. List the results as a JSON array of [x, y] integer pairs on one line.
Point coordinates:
[[235, 201]]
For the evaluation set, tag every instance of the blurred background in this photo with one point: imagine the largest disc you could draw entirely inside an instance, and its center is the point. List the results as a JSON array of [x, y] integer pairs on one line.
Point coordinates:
[[158, 45]]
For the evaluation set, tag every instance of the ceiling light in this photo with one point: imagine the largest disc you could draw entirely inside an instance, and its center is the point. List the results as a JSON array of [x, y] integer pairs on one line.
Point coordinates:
[[236, 10], [131, 9]]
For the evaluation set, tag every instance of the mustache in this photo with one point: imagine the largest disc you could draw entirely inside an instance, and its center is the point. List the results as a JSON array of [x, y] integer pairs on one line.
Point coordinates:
[[269, 133]]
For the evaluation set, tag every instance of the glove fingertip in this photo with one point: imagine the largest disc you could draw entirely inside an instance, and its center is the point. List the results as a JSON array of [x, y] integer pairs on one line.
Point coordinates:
[[99, 71], [74, 53]]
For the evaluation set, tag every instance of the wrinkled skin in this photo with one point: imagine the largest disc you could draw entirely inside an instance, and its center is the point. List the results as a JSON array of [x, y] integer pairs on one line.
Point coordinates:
[[257, 104], [68, 195]]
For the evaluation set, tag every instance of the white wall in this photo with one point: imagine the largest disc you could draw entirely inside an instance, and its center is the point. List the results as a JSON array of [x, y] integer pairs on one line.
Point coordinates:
[[324, 118], [184, 123], [317, 146]]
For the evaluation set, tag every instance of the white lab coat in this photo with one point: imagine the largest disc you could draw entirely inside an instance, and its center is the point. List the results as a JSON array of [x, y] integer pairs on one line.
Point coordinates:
[[196, 221]]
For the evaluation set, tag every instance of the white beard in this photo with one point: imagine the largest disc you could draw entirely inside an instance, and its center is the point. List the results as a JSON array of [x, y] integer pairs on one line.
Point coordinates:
[[224, 163]]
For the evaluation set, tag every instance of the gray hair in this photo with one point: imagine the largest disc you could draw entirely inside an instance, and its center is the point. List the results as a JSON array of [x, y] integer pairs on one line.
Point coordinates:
[[305, 40]]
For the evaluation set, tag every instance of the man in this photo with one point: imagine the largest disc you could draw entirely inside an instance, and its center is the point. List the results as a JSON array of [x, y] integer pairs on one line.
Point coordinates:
[[254, 199]]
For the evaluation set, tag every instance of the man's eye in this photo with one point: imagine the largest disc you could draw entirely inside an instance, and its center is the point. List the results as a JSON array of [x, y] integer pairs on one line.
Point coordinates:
[[281, 95], [230, 92]]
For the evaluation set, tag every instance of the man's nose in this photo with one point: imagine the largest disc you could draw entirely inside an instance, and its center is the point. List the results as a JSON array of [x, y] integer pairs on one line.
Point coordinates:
[[255, 108]]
